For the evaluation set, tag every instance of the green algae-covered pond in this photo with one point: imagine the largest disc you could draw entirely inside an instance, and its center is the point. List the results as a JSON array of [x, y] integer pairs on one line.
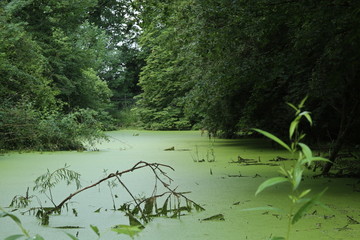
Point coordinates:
[[221, 187]]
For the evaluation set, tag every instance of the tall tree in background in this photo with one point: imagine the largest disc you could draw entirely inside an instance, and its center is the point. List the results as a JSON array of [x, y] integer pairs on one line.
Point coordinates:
[[230, 64], [72, 47], [50, 56], [165, 79], [123, 60], [22, 64], [225, 65]]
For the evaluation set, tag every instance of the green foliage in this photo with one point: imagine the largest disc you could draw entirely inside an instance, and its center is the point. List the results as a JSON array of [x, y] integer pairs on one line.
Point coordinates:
[[274, 138], [24, 128], [49, 180], [96, 230], [309, 203], [126, 118], [20, 201], [169, 118], [226, 64], [74, 69], [25, 234], [51, 56], [22, 65], [72, 236], [294, 175], [51, 50], [210, 155], [164, 78], [270, 182], [122, 61], [146, 209], [127, 230], [16, 220]]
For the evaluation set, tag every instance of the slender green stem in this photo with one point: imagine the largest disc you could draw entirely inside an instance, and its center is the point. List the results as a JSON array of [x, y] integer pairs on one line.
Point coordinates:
[[289, 222], [51, 197], [112, 197], [17, 221]]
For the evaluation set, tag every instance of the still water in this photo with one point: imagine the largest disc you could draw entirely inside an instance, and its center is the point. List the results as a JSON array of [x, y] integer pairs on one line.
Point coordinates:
[[220, 186]]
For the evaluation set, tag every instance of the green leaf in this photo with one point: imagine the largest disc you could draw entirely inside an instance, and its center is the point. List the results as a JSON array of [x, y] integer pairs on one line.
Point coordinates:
[[274, 138], [133, 221], [304, 193], [292, 106], [306, 207], [322, 205], [13, 217], [126, 229], [95, 229], [320, 159], [72, 236], [136, 210], [298, 171], [307, 115], [13, 237], [164, 208], [307, 153], [270, 182], [16, 220], [301, 104], [301, 136], [293, 126], [283, 171]]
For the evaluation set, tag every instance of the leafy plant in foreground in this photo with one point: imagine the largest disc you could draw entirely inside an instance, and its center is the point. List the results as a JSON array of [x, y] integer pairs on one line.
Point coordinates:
[[294, 175], [25, 233]]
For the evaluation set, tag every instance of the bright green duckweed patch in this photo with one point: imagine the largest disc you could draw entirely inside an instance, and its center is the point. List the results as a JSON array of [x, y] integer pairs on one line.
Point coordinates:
[[224, 187]]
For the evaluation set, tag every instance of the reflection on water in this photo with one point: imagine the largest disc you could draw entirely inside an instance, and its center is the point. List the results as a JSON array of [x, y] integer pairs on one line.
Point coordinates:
[[220, 187]]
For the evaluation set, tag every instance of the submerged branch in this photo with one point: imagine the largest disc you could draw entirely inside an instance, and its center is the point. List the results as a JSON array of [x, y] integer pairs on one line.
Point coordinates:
[[132, 196], [117, 174]]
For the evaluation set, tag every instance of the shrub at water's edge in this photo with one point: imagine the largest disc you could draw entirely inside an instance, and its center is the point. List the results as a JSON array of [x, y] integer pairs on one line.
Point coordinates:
[[22, 127]]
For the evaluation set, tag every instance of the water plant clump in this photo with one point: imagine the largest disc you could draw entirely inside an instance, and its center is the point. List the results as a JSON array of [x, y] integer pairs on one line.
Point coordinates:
[[210, 155]]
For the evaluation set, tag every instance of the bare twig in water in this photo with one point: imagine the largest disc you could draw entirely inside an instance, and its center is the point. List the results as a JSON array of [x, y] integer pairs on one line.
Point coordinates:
[[118, 174]]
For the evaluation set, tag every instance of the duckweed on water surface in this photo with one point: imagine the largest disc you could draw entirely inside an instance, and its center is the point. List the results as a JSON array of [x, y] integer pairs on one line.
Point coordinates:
[[224, 184]]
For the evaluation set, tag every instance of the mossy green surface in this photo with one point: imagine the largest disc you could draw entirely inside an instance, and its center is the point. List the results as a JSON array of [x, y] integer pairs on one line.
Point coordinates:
[[221, 187]]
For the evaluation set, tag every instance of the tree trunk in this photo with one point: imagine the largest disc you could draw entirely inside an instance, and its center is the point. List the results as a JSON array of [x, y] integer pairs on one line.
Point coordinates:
[[333, 154], [347, 120]]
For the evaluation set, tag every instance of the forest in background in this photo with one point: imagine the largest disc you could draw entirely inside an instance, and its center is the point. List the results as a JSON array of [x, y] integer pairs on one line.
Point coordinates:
[[69, 69], [66, 69]]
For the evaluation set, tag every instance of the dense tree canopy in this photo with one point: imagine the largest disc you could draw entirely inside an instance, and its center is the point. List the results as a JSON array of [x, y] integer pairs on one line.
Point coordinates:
[[123, 61], [223, 65], [54, 60], [231, 64]]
